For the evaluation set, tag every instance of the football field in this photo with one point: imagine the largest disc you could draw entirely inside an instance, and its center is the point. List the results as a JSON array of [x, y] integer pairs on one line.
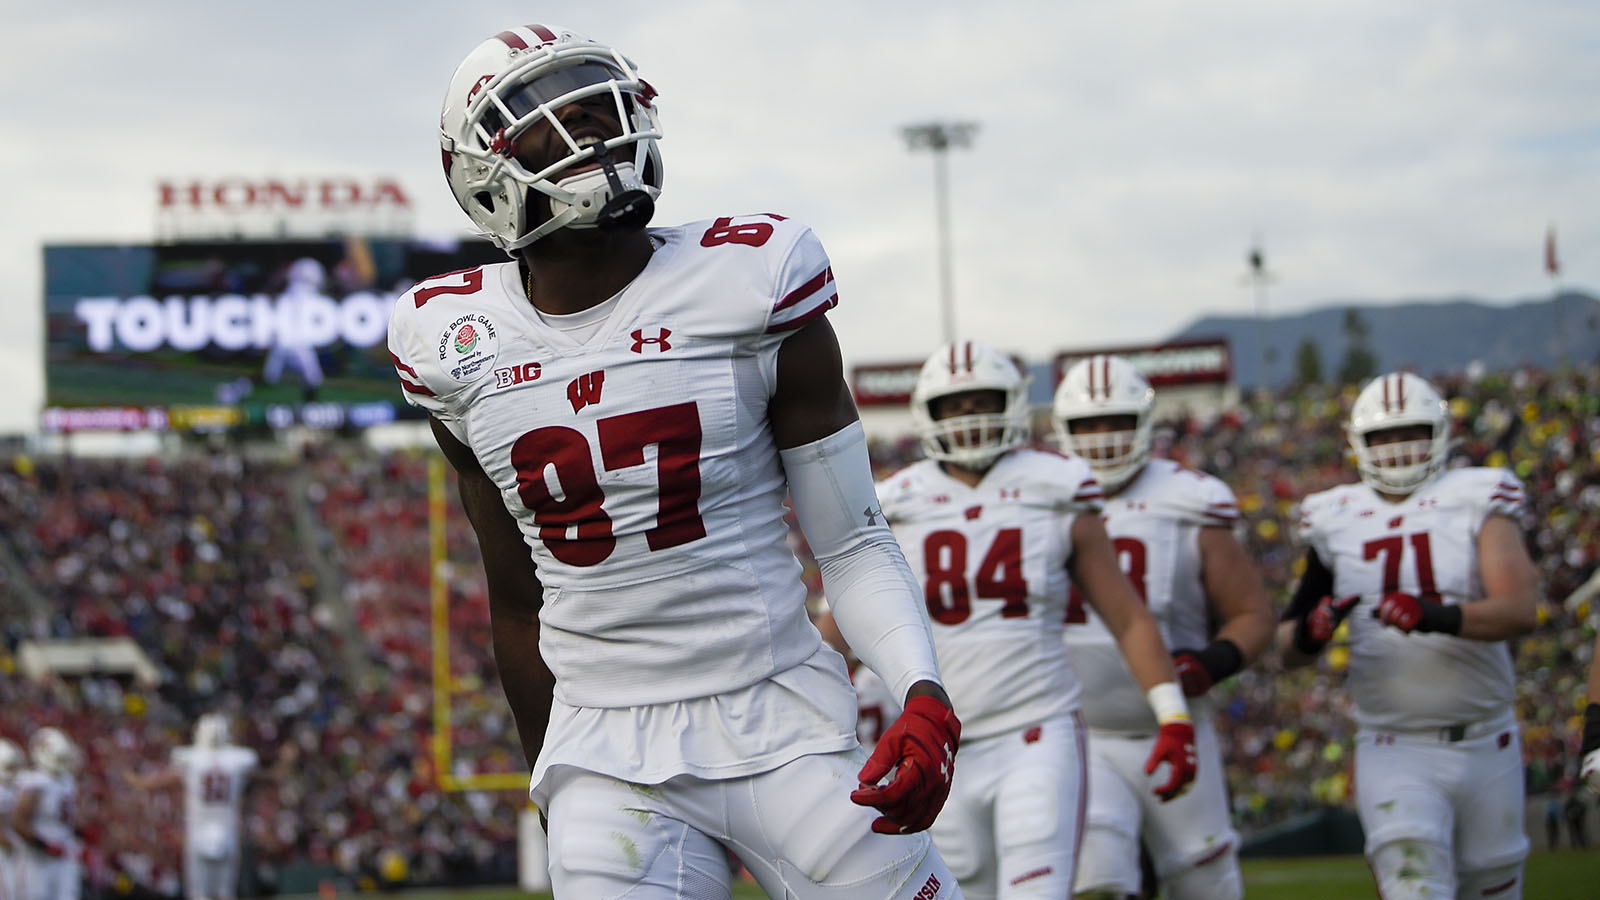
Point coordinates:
[[1566, 875]]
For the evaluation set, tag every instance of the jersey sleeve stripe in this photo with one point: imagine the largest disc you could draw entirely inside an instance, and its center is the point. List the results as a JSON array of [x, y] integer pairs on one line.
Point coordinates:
[[815, 285], [804, 318], [415, 388], [403, 367]]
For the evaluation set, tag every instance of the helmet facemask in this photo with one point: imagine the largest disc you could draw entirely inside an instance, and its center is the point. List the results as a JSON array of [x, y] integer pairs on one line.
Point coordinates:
[[1399, 467], [1116, 455]]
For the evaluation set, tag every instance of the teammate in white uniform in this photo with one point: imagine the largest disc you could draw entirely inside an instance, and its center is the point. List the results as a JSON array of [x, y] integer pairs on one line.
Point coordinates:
[[1429, 566], [994, 530], [627, 408], [11, 762], [1172, 529], [214, 774], [47, 795]]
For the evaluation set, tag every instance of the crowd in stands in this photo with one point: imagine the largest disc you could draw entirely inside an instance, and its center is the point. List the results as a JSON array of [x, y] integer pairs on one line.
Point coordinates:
[[206, 560]]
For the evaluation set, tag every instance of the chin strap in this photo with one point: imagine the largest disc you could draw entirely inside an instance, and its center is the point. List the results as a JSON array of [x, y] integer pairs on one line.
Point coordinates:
[[626, 208]]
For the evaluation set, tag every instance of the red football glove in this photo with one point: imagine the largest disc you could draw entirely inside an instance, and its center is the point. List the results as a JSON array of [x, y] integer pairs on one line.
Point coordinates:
[[1325, 619], [1421, 614], [920, 748], [1175, 747], [1192, 674]]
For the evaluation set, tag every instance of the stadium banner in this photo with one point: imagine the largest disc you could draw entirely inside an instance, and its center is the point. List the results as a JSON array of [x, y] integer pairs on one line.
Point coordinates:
[[884, 384], [1199, 361], [219, 334]]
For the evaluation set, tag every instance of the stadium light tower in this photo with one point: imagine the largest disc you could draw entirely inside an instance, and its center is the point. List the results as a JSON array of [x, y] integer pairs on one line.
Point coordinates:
[[937, 138], [1259, 277]]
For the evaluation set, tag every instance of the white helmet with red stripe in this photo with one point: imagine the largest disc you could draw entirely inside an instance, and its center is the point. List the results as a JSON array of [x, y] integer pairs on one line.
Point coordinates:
[[524, 75], [1099, 386], [1399, 400], [978, 439]]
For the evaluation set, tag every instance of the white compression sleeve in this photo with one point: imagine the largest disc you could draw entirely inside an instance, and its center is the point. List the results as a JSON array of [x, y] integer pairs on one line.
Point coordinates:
[[876, 601]]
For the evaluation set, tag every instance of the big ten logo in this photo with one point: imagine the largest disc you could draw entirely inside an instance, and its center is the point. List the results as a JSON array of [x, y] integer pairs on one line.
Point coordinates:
[[515, 375]]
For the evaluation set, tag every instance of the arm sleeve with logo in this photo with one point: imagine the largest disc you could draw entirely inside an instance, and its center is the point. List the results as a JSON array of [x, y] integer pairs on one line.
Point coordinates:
[[876, 601]]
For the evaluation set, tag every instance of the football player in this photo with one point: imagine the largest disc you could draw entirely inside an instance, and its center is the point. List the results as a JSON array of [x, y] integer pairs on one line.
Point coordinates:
[[214, 773], [627, 407], [1172, 529], [1428, 565], [47, 794], [994, 531], [11, 762]]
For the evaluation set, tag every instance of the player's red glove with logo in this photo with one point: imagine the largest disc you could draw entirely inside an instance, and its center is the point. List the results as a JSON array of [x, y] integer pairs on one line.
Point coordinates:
[[1175, 747], [1317, 628], [920, 748], [1411, 613]]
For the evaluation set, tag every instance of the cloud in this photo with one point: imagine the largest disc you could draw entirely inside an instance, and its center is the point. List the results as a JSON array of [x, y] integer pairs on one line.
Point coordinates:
[[1128, 153]]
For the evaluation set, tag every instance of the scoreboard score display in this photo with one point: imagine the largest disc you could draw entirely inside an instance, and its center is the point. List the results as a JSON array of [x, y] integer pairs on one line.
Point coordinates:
[[219, 333]]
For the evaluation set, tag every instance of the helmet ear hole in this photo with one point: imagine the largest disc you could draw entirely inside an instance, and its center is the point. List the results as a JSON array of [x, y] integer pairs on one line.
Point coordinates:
[[485, 200]]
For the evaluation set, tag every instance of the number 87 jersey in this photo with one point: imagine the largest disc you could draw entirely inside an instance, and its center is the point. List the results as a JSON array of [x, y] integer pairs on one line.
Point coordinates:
[[631, 444], [992, 560]]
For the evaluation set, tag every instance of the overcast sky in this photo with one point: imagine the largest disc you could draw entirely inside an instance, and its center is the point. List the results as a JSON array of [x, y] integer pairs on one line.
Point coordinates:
[[1128, 151]]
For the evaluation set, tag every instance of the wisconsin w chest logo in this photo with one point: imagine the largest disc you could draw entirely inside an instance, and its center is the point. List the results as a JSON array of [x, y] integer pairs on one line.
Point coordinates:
[[585, 389]]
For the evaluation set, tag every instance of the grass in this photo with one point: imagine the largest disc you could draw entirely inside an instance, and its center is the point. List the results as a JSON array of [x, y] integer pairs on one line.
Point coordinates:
[[1564, 875]]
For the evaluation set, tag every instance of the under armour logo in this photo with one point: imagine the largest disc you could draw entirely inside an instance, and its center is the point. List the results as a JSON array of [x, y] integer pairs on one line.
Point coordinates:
[[639, 340], [1395, 522], [872, 515]]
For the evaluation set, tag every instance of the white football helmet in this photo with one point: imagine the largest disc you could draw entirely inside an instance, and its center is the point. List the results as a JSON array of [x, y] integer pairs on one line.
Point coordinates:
[[211, 731], [1106, 386], [51, 750], [11, 760], [974, 441], [1393, 401], [523, 75]]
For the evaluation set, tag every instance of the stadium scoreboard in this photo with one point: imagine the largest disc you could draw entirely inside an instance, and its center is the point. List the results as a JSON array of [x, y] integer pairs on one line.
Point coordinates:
[[210, 335]]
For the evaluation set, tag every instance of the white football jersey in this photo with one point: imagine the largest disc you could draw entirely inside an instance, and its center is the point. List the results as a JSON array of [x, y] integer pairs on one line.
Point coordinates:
[[1425, 545], [636, 455], [55, 810], [992, 560], [1154, 523], [640, 457], [213, 785]]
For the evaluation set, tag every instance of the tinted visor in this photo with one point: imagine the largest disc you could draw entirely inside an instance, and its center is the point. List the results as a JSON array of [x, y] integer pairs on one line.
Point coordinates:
[[525, 98]]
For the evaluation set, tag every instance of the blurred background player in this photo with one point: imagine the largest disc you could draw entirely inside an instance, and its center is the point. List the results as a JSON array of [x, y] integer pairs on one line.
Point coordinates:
[[11, 763], [648, 614], [43, 821], [1431, 564], [1172, 529], [214, 773], [293, 346], [993, 530]]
